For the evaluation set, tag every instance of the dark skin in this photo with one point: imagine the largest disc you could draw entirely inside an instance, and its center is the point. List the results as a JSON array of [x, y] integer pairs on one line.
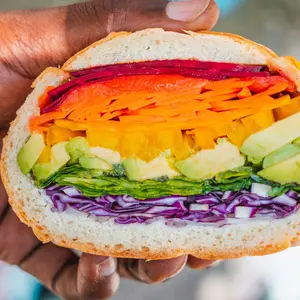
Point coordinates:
[[30, 41]]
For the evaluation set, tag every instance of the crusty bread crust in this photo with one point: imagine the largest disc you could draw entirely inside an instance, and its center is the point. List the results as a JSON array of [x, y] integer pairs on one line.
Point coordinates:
[[152, 44], [154, 241]]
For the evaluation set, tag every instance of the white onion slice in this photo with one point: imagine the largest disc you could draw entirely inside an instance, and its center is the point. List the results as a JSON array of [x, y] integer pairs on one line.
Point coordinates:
[[242, 212], [261, 190], [199, 207], [285, 200]]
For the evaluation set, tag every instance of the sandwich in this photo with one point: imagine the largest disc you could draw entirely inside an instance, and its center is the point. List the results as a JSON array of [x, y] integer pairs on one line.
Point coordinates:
[[157, 144]]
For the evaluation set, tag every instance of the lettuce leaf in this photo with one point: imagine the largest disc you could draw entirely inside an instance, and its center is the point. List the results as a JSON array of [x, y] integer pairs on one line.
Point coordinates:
[[93, 183], [234, 175]]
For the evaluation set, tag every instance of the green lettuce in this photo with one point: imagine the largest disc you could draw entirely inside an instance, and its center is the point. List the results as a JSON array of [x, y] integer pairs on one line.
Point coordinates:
[[94, 183], [234, 175]]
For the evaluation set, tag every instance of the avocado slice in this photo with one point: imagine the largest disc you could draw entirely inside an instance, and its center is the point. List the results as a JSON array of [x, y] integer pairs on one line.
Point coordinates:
[[259, 145], [138, 170], [31, 152], [208, 163], [297, 142], [280, 155], [95, 163], [287, 171], [59, 158], [132, 169], [44, 170], [59, 154], [78, 147]]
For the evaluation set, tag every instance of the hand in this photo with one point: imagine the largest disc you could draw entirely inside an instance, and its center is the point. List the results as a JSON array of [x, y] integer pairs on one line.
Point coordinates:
[[30, 41]]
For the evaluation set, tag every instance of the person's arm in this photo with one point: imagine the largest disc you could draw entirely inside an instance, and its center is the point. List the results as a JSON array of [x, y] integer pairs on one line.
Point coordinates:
[[30, 41]]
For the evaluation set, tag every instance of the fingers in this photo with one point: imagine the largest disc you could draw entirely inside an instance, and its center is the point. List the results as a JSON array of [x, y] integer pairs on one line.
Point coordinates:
[[97, 277], [91, 277], [151, 271], [186, 11], [77, 26], [16, 240], [94, 278], [199, 264], [11, 97], [196, 14], [207, 20], [58, 268], [176, 15]]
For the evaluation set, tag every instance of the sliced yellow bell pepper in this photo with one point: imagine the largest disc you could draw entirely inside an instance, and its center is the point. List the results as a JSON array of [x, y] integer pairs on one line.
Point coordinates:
[[164, 138], [133, 142], [258, 122], [288, 110], [204, 138], [149, 153], [72, 125], [237, 133], [57, 134], [45, 156], [103, 138]]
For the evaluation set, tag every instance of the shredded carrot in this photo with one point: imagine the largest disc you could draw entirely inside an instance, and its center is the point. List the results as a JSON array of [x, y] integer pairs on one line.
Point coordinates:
[[275, 89], [175, 109], [183, 117], [221, 98], [142, 119], [44, 99], [243, 103], [131, 114], [237, 114], [215, 93], [108, 116], [122, 101], [167, 98], [244, 93], [45, 118], [141, 104]]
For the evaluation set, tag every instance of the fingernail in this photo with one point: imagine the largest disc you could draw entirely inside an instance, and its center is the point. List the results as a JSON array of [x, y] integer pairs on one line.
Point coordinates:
[[159, 271], [107, 267], [186, 10]]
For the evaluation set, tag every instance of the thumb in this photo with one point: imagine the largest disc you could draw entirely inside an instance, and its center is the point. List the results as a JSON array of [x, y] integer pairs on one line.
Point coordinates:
[[173, 15], [95, 19], [35, 40]]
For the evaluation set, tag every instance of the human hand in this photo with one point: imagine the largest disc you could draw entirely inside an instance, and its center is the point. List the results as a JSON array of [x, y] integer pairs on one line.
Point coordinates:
[[30, 41]]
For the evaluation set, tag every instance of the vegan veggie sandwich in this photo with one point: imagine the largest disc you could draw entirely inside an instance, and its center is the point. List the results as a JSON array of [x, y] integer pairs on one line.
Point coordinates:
[[157, 144]]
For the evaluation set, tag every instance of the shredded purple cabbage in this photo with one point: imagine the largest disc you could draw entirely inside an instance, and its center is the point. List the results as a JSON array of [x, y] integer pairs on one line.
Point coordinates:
[[189, 68], [176, 210]]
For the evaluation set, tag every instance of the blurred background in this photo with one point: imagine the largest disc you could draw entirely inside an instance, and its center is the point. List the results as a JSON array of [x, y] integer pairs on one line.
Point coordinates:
[[276, 24]]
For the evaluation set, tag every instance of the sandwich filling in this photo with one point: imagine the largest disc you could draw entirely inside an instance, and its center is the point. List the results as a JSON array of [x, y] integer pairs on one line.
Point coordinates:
[[179, 141]]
